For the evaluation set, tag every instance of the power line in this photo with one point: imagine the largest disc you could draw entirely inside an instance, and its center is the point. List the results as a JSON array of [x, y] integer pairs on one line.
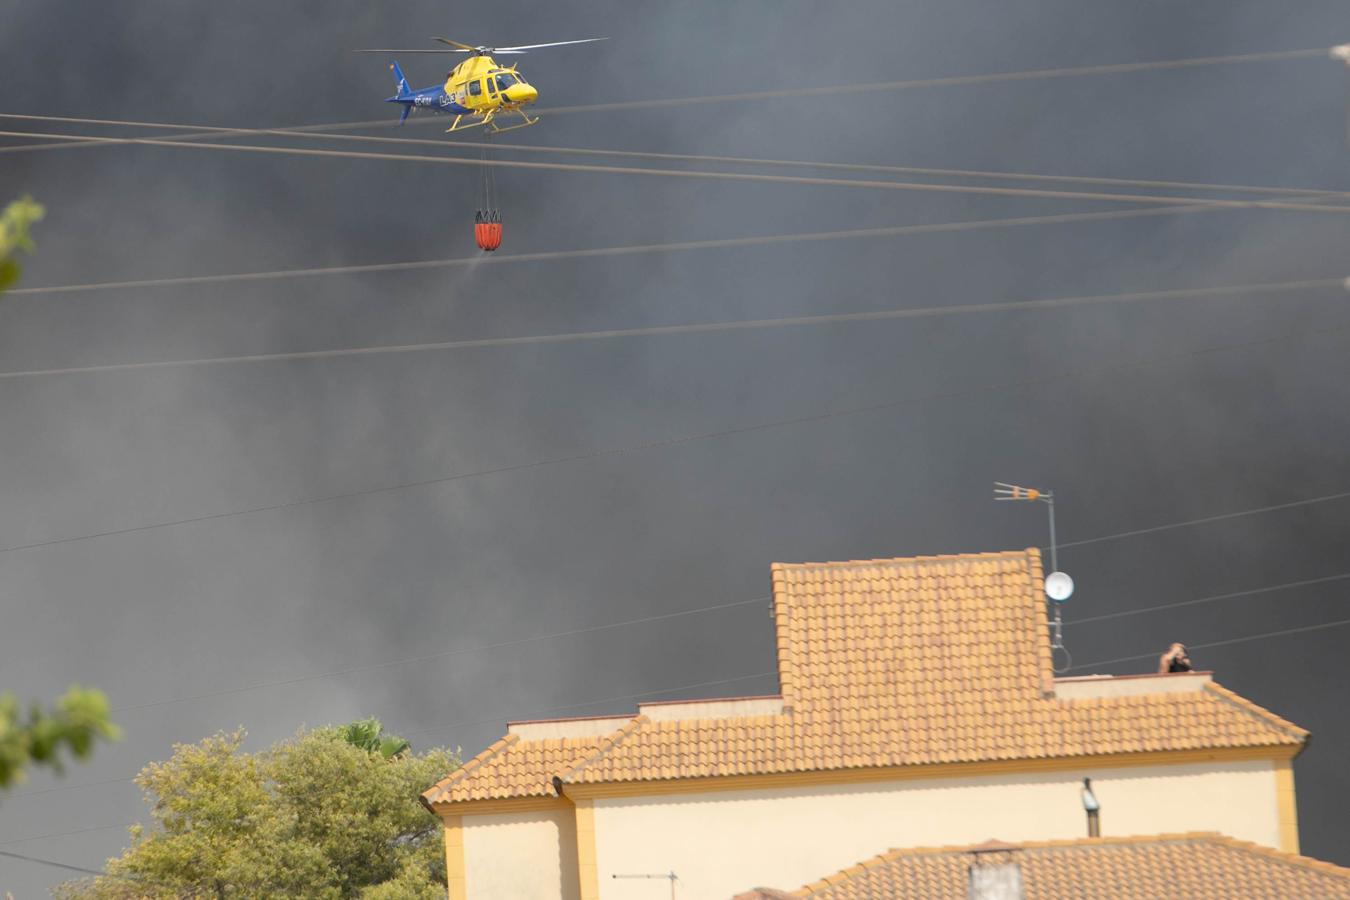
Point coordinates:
[[15, 795], [1207, 519], [956, 80], [620, 250], [70, 868], [817, 91], [314, 134], [703, 436], [50, 862], [752, 177], [1242, 640], [443, 654], [57, 834], [1213, 598], [698, 328]]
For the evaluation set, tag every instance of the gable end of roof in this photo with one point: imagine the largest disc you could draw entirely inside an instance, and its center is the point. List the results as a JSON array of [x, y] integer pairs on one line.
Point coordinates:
[[431, 794], [1257, 711]]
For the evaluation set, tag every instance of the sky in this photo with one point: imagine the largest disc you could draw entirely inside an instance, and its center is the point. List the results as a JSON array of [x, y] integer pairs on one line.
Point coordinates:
[[879, 438]]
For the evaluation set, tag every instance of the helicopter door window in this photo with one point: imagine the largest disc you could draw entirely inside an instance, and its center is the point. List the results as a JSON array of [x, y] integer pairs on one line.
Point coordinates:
[[475, 88], [491, 85]]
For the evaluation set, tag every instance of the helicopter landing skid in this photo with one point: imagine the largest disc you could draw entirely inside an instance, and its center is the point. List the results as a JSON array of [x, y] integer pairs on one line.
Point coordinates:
[[455, 126], [488, 120], [496, 129]]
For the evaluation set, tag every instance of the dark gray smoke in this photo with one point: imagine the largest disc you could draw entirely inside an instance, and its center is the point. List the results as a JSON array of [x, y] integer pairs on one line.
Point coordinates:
[[193, 609]]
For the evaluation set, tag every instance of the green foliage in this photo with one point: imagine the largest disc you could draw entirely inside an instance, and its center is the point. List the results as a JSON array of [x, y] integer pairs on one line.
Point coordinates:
[[315, 817], [78, 719], [368, 734], [14, 223]]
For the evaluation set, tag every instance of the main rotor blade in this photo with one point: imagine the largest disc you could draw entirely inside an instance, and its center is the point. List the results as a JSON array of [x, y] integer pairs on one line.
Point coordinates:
[[409, 51], [538, 46], [455, 44]]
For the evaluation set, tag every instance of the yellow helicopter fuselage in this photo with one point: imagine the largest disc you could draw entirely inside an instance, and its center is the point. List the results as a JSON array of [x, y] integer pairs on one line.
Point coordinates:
[[481, 87]]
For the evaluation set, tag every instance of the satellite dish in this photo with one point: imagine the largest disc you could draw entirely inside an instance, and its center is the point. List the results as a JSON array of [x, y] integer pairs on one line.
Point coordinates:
[[1058, 586]]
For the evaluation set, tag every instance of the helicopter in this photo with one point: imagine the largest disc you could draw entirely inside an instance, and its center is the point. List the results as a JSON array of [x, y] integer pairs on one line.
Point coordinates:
[[476, 91]]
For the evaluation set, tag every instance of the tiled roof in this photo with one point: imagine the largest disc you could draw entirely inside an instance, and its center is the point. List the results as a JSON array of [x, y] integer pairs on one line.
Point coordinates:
[[893, 663], [1143, 868], [512, 768]]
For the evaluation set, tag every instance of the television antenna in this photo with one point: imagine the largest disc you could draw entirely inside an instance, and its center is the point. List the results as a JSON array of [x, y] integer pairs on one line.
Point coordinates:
[[1058, 585]]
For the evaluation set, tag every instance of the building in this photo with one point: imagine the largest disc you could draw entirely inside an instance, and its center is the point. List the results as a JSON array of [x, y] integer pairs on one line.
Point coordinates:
[[917, 708], [1148, 868]]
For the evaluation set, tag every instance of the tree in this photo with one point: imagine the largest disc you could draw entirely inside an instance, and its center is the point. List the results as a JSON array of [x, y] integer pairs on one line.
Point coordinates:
[[80, 716], [77, 720], [368, 734], [314, 817], [14, 223]]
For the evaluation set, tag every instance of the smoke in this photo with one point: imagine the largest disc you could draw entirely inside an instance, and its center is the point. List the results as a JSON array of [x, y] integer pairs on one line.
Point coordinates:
[[174, 612]]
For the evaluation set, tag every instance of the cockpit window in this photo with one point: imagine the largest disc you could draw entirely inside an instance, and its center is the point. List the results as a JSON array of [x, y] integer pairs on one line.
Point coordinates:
[[505, 80]]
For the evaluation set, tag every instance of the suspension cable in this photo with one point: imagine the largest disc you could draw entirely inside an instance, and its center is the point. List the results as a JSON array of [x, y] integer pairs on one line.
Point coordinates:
[[738, 176], [314, 134], [700, 328]]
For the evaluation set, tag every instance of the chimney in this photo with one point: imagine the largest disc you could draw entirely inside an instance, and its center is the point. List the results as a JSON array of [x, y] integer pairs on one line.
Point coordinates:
[[994, 873], [1092, 808]]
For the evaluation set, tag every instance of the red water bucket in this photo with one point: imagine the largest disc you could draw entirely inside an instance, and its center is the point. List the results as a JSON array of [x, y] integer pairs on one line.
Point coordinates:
[[487, 230]]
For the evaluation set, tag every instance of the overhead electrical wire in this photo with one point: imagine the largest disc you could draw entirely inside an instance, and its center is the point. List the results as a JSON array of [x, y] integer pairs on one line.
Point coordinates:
[[829, 166], [1207, 519], [1156, 359], [814, 91], [954, 80], [58, 834], [619, 250], [49, 862], [71, 868], [1213, 598], [314, 134], [699, 328], [1266, 635], [749, 177], [18, 794]]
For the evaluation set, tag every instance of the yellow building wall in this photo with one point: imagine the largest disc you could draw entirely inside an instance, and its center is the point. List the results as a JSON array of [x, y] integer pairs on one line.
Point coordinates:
[[521, 854], [722, 843]]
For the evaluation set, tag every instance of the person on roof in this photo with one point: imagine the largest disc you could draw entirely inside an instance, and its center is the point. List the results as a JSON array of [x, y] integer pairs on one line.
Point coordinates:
[[1174, 660]]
